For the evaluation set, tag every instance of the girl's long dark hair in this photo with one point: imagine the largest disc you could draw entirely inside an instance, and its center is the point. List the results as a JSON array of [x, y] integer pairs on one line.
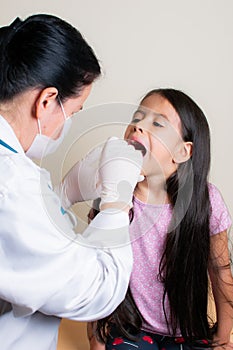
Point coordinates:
[[183, 267], [126, 317], [184, 263]]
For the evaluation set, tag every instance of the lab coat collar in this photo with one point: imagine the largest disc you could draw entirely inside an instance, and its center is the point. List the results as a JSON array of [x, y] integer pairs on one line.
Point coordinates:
[[7, 135]]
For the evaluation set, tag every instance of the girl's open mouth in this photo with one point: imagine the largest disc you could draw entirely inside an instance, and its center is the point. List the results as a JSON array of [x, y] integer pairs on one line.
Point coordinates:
[[137, 145]]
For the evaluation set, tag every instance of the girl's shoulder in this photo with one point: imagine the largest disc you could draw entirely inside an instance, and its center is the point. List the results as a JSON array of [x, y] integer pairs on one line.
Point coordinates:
[[216, 198], [220, 219], [213, 190]]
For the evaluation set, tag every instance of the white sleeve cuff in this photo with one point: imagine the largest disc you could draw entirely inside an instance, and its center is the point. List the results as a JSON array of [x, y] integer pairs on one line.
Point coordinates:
[[110, 218], [109, 229]]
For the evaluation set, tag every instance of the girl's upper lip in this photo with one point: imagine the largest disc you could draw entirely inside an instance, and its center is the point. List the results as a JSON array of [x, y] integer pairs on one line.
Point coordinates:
[[133, 138], [138, 145]]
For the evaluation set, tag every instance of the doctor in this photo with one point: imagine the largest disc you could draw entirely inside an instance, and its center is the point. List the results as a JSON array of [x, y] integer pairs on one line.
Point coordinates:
[[46, 74]]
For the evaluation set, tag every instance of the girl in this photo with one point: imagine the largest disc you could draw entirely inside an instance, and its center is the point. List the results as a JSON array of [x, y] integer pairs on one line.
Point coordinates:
[[179, 236]]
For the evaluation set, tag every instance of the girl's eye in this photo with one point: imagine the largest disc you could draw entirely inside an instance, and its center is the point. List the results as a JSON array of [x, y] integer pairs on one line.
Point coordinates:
[[138, 116], [135, 120], [157, 124]]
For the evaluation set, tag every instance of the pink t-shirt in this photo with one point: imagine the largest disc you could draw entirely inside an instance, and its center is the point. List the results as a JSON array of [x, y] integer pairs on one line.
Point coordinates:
[[148, 231]]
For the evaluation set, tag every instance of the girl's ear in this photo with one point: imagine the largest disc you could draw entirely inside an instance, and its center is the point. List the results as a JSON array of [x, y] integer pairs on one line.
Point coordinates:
[[45, 102], [183, 152]]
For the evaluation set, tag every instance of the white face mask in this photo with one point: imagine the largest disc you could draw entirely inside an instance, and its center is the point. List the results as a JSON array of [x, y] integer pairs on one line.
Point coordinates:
[[43, 145]]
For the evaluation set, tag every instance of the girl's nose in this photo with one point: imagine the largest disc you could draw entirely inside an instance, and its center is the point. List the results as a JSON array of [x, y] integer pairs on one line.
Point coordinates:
[[138, 128]]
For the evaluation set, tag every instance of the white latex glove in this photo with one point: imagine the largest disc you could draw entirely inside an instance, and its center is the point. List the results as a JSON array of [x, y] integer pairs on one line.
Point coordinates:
[[81, 183], [119, 171]]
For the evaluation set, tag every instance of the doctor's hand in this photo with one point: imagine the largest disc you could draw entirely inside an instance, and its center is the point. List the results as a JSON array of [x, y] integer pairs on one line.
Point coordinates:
[[119, 171], [81, 183]]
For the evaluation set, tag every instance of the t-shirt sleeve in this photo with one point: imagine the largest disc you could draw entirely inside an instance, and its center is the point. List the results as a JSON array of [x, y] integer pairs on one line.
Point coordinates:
[[220, 219]]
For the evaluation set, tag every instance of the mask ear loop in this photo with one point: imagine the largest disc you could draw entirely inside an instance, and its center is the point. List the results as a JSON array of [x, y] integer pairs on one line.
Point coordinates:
[[39, 126], [62, 108]]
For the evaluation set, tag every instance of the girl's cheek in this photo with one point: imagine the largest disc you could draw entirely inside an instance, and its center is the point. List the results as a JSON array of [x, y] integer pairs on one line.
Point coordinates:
[[127, 132]]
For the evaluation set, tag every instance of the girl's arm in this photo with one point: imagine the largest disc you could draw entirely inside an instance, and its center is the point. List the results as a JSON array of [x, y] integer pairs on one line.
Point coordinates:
[[222, 286]]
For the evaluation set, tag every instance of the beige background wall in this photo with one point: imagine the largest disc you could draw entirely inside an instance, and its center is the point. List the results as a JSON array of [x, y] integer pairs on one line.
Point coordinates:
[[146, 44], [185, 44]]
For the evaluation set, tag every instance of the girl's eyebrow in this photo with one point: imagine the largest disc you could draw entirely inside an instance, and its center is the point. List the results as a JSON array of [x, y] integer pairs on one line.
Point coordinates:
[[140, 110], [145, 111], [163, 116]]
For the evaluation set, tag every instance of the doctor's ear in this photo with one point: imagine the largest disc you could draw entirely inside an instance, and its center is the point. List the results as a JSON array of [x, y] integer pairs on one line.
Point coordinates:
[[183, 152], [45, 101]]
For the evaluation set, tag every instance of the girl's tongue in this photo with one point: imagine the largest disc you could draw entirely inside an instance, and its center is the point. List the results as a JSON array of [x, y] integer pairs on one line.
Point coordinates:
[[137, 146]]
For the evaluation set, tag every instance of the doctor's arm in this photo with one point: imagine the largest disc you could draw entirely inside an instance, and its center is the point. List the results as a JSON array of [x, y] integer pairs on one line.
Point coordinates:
[[108, 234], [44, 265]]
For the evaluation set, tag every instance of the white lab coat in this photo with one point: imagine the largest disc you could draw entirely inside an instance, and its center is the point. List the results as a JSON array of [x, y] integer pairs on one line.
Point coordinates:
[[46, 270]]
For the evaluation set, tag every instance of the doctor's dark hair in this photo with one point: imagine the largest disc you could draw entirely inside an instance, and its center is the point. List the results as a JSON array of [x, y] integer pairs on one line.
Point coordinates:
[[183, 267], [44, 51]]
